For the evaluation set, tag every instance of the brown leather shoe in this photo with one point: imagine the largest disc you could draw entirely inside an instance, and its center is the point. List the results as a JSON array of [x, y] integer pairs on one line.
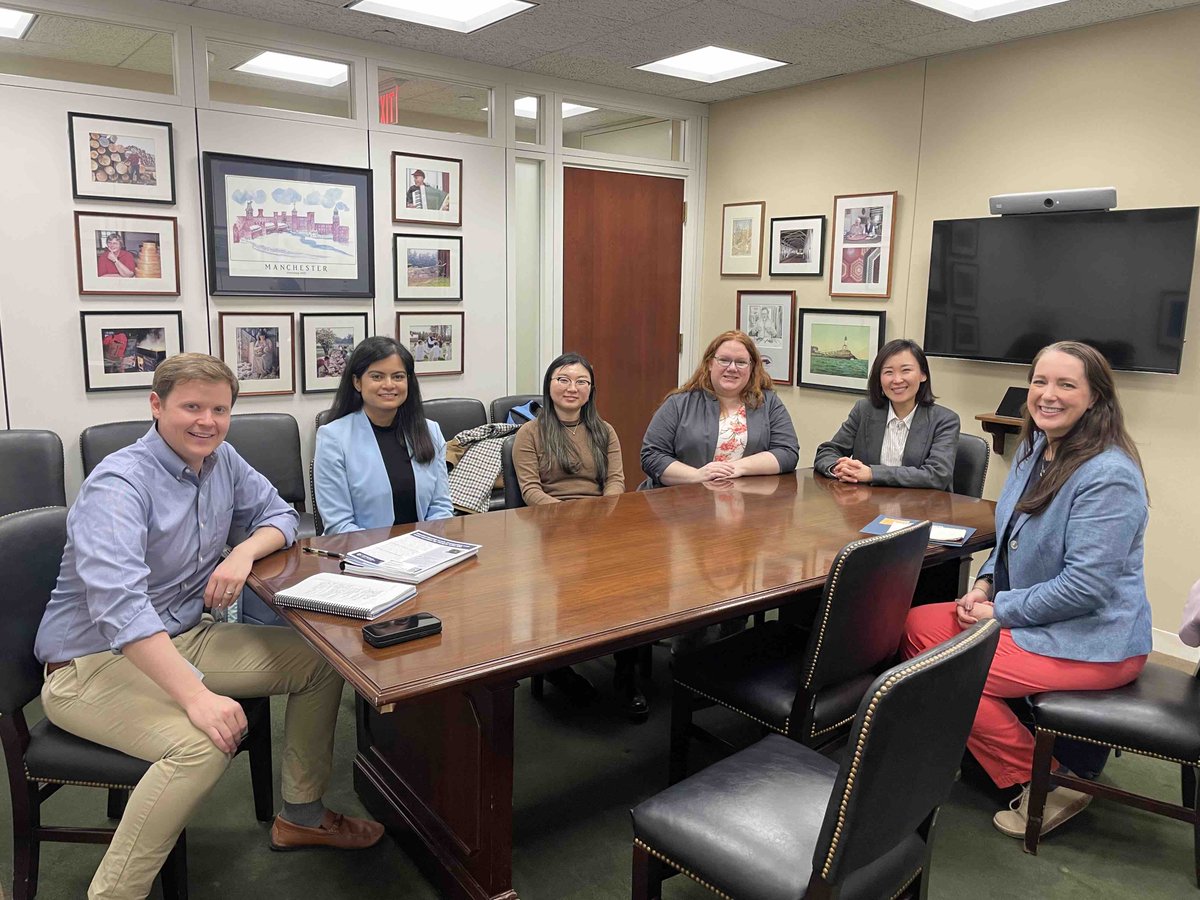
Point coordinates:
[[335, 830]]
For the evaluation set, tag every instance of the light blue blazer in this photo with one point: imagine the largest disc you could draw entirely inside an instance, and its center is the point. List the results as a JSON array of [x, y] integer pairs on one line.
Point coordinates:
[[1076, 568], [351, 481]]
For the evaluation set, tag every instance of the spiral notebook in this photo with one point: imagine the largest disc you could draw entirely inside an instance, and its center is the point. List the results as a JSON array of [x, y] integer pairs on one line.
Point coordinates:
[[345, 595]]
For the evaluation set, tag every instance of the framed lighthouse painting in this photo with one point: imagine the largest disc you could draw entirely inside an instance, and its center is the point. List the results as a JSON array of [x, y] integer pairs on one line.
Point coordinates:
[[287, 229], [836, 349]]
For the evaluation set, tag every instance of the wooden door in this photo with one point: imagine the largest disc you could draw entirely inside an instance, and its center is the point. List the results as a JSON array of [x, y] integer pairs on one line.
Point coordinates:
[[622, 263]]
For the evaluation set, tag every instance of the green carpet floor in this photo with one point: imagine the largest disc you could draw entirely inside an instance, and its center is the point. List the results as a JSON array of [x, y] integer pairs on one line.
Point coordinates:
[[577, 774]]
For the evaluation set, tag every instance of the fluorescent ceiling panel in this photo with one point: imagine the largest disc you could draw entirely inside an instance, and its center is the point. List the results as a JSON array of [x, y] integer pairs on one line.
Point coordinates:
[[14, 23], [526, 107], [296, 68], [574, 109], [463, 16], [978, 10], [711, 64]]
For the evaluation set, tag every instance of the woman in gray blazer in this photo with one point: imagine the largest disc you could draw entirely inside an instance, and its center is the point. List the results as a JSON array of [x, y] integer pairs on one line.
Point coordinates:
[[897, 436], [726, 421], [1066, 579]]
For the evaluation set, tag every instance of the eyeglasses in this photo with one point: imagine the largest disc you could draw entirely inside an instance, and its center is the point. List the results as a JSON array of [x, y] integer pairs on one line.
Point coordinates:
[[580, 383], [725, 362]]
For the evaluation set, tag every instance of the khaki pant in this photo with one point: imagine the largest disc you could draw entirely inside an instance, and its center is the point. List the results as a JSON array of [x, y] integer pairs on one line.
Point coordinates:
[[106, 699]]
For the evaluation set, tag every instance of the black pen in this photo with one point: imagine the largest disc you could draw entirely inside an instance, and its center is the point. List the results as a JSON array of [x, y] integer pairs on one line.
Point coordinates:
[[317, 551]]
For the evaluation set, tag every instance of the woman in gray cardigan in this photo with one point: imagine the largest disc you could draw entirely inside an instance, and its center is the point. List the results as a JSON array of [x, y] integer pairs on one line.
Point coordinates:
[[897, 436], [725, 422]]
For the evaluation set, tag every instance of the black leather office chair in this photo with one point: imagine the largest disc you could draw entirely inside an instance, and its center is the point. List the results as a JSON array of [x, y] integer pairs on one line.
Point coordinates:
[[32, 463], [318, 525], [512, 490], [971, 465], [806, 684], [97, 441], [779, 821], [1158, 715], [43, 758], [455, 414], [502, 406], [270, 443]]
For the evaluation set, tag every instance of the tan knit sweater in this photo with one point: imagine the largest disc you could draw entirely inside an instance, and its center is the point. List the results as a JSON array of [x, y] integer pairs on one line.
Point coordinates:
[[549, 483]]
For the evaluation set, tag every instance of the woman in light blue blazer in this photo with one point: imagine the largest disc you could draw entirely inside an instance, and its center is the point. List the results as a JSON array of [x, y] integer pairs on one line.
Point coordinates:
[[1066, 579], [379, 462]]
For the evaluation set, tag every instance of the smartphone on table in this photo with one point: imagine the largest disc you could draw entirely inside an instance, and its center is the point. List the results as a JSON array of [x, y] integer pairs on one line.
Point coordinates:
[[405, 628]]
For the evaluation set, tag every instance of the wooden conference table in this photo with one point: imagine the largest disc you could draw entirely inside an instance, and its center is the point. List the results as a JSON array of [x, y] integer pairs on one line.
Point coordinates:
[[557, 585]]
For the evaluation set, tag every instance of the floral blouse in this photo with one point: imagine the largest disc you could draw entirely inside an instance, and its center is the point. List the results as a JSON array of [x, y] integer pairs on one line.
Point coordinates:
[[731, 436]]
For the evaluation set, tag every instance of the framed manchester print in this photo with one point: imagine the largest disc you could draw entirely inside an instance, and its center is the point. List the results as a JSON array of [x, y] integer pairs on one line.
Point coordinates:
[[741, 238], [287, 229], [769, 318], [259, 347], [435, 340], [837, 349], [126, 255], [427, 267], [864, 234], [121, 350], [113, 158], [797, 246], [426, 189], [326, 342]]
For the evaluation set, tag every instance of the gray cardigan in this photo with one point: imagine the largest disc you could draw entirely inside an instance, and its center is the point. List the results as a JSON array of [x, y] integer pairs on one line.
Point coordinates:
[[929, 452], [684, 429]]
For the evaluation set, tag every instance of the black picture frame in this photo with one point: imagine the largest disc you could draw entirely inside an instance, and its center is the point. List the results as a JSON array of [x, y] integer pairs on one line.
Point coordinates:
[[121, 193], [311, 382], [236, 277], [97, 376], [838, 374], [815, 226]]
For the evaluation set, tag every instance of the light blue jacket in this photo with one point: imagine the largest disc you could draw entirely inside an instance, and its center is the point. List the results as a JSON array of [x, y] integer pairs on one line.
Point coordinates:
[[351, 481], [1076, 568]]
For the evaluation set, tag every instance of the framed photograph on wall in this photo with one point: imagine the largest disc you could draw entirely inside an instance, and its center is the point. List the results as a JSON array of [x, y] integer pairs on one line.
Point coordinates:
[[741, 238], [427, 267], [769, 317], [864, 234], [121, 159], [326, 342], [122, 255], [797, 246], [836, 349], [121, 350], [426, 189], [287, 229], [435, 340], [260, 348]]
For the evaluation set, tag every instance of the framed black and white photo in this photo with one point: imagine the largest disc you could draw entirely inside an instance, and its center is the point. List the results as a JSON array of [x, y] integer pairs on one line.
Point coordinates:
[[127, 255], [427, 267], [797, 246], [864, 235], [435, 340], [769, 318], [326, 342], [741, 238], [121, 350], [114, 158], [287, 229], [260, 349], [836, 349], [426, 189]]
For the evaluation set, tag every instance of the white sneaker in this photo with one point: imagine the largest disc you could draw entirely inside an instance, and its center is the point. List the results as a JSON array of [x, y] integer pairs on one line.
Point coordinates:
[[1061, 804]]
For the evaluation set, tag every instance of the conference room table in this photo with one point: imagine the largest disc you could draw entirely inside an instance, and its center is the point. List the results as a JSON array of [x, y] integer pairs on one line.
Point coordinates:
[[555, 585]]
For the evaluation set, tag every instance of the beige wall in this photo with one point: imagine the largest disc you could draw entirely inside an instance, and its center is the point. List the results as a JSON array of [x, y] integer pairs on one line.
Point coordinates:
[[1116, 104]]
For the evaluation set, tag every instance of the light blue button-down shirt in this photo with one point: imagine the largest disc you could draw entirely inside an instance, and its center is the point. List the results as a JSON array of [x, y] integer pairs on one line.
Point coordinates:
[[143, 538]]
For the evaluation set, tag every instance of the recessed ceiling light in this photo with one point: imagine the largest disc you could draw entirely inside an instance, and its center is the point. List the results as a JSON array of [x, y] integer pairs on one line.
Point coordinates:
[[296, 68], [463, 16], [710, 64], [978, 10], [14, 23], [574, 109], [526, 107]]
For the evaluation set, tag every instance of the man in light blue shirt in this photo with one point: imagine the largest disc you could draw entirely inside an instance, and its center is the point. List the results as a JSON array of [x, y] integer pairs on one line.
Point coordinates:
[[134, 663]]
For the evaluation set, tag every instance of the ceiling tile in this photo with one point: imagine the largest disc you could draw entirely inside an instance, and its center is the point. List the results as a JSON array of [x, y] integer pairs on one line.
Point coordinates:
[[155, 55]]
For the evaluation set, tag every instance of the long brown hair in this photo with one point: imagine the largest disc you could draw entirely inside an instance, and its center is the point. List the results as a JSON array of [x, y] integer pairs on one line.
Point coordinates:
[[1100, 427], [760, 381], [554, 436]]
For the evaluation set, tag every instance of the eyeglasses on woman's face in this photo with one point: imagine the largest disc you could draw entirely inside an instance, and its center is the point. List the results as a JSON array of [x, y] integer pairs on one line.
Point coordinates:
[[725, 362], [581, 384]]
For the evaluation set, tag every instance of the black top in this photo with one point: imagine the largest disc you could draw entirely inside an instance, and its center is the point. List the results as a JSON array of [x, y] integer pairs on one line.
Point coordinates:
[[400, 473], [1000, 571]]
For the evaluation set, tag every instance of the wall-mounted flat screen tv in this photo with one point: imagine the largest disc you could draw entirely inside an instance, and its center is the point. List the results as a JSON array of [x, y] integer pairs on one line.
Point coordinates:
[[1003, 287]]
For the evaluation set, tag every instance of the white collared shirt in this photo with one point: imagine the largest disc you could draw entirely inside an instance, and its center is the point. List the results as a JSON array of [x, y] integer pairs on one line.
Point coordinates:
[[895, 436]]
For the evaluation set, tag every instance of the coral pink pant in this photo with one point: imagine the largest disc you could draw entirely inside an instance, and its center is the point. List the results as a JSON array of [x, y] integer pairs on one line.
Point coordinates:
[[1003, 746]]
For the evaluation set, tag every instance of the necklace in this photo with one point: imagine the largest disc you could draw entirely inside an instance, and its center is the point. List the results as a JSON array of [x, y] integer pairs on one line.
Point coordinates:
[[1045, 464], [571, 428]]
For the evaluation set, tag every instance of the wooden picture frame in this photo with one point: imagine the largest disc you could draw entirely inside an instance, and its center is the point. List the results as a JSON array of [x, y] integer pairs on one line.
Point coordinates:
[[441, 176], [741, 238], [797, 246], [864, 237], [429, 335], [126, 160], [260, 349], [121, 350], [126, 255], [836, 348], [427, 266], [769, 318], [326, 342]]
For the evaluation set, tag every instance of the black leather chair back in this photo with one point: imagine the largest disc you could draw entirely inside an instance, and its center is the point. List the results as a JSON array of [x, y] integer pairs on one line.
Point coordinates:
[[323, 417], [867, 597], [32, 463], [455, 414], [501, 406], [971, 465], [270, 443], [512, 490], [31, 551], [905, 746], [97, 441]]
